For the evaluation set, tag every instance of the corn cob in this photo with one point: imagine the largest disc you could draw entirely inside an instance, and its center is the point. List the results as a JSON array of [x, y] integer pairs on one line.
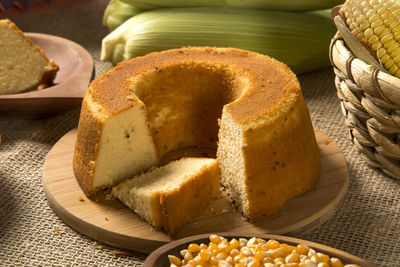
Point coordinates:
[[286, 5], [301, 40], [376, 24], [117, 12]]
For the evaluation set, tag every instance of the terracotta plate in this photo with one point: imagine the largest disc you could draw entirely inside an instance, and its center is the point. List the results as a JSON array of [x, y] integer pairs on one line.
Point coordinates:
[[159, 257], [76, 71]]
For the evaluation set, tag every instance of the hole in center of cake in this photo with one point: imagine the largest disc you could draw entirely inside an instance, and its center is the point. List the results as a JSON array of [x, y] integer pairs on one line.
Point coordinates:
[[184, 103]]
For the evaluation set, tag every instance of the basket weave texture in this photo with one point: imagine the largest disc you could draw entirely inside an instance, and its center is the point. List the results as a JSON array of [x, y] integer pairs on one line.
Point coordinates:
[[370, 101]]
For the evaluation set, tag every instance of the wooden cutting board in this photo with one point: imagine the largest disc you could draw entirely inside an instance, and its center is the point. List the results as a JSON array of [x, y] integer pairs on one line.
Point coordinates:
[[112, 223]]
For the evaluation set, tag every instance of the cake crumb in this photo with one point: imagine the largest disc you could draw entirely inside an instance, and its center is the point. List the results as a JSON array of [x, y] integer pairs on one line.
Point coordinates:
[[225, 210], [81, 199], [117, 253], [326, 141]]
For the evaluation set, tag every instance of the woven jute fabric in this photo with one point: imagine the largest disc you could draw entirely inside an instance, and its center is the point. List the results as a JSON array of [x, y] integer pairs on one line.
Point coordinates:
[[366, 225]]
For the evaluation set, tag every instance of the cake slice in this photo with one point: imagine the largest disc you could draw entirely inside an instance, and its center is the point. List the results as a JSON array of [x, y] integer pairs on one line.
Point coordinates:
[[23, 66], [170, 196]]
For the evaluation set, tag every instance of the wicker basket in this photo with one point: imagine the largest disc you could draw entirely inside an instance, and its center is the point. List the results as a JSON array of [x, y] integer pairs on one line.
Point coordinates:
[[370, 101]]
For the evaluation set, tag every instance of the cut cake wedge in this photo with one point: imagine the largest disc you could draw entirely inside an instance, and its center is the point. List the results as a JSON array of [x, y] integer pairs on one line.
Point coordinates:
[[170, 196]]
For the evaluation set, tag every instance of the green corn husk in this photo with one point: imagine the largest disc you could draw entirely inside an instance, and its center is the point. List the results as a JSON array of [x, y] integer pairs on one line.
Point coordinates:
[[117, 12], [301, 40], [285, 5]]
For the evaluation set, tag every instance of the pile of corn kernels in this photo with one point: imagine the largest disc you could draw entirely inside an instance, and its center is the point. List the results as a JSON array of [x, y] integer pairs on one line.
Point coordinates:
[[252, 252]]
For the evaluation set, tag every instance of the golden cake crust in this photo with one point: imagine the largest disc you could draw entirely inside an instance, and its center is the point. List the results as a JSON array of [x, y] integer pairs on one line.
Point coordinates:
[[265, 76]]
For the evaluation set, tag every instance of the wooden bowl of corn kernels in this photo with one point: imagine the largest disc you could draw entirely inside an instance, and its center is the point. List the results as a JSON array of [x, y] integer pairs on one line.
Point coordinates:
[[230, 249], [365, 54]]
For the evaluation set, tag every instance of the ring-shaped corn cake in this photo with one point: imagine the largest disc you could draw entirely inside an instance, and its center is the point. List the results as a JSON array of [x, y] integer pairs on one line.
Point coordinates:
[[247, 106]]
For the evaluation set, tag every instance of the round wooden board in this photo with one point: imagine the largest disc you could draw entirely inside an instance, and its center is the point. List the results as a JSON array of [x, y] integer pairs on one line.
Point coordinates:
[[110, 222], [159, 257]]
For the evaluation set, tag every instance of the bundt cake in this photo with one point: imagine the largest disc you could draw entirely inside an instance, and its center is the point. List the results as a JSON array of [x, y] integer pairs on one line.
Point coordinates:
[[247, 106], [23, 66], [170, 196]]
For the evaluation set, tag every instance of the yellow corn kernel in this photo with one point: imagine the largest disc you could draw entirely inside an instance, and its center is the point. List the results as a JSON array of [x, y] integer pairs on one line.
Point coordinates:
[[335, 262], [267, 260], [254, 263], [237, 258], [174, 260], [279, 260], [323, 264], [259, 255], [283, 250], [323, 257], [224, 264], [273, 253], [234, 252], [240, 265], [214, 260], [388, 64], [212, 246], [352, 265], [234, 243], [183, 252], [221, 256], [393, 69], [205, 254], [198, 260], [193, 248], [243, 241], [215, 239], [229, 259], [302, 249], [188, 256], [251, 241], [260, 241], [368, 32], [272, 244], [292, 257], [245, 251], [203, 246]]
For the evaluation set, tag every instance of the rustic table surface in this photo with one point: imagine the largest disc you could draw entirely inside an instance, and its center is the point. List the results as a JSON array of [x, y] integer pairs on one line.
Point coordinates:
[[366, 225]]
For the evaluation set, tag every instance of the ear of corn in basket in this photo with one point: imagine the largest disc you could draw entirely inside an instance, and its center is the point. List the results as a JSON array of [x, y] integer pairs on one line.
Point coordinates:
[[376, 24], [299, 39]]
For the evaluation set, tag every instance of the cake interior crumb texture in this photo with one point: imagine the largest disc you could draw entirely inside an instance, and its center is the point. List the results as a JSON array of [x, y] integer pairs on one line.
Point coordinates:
[[125, 140], [22, 65]]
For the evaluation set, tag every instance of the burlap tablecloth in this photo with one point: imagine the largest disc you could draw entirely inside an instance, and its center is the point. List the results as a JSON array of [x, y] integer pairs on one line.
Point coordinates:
[[366, 225]]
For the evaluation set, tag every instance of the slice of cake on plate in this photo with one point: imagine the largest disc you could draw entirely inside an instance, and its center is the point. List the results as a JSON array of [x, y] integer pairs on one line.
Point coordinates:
[[23, 65]]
